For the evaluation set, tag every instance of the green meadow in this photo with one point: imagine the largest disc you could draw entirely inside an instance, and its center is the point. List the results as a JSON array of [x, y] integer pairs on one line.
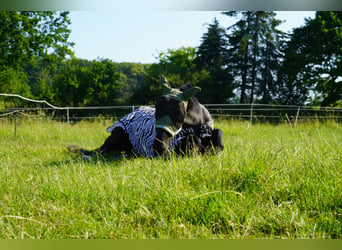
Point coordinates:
[[271, 181]]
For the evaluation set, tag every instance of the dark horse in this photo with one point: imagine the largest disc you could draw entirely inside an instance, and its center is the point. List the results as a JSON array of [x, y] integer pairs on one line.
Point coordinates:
[[178, 115]]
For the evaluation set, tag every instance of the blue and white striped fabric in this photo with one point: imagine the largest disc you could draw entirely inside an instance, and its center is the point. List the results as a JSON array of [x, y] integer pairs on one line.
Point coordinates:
[[140, 127]]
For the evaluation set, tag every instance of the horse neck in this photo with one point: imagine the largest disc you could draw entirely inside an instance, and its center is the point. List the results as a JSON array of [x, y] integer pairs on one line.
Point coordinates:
[[197, 114]]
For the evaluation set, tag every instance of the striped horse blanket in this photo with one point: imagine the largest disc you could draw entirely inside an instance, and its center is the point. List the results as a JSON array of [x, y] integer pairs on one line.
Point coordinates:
[[140, 128]]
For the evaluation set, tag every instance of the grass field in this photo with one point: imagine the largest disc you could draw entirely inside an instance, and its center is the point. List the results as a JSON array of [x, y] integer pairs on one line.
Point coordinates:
[[271, 181]]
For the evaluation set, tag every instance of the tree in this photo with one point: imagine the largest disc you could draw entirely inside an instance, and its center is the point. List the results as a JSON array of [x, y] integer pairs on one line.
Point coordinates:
[[179, 64], [212, 56], [103, 78], [313, 59], [40, 77], [291, 88], [253, 51], [66, 84], [271, 55], [239, 53], [212, 51], [132, 76], [14, 81], [25, 35], [87, 83], [27, 39], [179, 68]]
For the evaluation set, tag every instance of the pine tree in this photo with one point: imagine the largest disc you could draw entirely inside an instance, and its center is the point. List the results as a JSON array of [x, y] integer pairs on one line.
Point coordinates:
[[253, 51], [270, 59], [238, 52], [212, 56]]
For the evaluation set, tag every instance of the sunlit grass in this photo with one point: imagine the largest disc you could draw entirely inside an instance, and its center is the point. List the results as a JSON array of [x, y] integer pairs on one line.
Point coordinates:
[[269, 182]]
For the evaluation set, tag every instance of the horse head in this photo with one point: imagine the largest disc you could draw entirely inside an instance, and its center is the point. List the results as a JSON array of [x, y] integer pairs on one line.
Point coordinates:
[[174, 108]]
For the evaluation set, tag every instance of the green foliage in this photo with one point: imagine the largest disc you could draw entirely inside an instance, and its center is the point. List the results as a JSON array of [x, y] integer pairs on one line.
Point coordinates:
[[212, 57], [251, 61], [31, 45], [178, 63], [81, 83], [27, 34], [14, 82], [254, 54], [313, 59], [132, 78], [40, 76], [269, 182], [179, 67]]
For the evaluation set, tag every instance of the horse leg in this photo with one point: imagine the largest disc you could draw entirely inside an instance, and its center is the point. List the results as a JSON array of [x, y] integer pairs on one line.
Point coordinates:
[[161, 142], [118, 141]]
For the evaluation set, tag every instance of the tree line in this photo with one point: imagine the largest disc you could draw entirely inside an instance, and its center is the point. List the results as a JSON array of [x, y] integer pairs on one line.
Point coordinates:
[[251, 61]]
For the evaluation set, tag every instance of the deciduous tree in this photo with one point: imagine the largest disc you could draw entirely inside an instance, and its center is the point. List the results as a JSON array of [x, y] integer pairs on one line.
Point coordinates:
[[313, 60]]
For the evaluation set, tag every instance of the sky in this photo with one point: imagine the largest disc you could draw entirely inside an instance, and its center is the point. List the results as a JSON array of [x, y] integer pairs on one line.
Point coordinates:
[[139, 36]]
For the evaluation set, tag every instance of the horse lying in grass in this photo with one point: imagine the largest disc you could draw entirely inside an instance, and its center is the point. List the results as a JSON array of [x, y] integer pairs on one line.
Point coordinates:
[[178, 121], [135, 133]]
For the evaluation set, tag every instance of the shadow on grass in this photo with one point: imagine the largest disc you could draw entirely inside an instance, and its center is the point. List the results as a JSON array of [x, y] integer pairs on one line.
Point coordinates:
[[77, 156], [68, 159]]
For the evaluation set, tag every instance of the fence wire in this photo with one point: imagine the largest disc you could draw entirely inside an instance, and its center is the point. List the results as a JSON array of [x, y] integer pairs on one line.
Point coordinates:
[[40, 109]]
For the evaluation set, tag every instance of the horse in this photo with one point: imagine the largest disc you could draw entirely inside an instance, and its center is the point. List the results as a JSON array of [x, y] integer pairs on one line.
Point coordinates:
[[178, 120]]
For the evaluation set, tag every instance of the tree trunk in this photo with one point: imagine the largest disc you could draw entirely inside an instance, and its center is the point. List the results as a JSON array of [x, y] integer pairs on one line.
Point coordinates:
[[244, 77], [255, 51]]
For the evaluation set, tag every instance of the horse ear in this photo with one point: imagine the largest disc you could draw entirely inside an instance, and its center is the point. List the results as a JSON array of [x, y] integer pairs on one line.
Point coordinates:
[[165, 84], [190, 92]]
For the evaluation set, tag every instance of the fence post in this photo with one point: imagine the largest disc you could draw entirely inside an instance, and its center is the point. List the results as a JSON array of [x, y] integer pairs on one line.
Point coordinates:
[[68, 115], [15, 124], [43, 113], [297, 116], [53, 113], [15, 118], [251, 114]]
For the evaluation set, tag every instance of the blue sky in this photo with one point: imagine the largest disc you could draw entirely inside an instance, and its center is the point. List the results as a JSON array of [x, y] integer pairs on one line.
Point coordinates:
[[139, 36]]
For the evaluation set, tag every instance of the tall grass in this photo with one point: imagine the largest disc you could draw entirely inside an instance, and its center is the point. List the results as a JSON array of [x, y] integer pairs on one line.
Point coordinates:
[[269, 182]]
